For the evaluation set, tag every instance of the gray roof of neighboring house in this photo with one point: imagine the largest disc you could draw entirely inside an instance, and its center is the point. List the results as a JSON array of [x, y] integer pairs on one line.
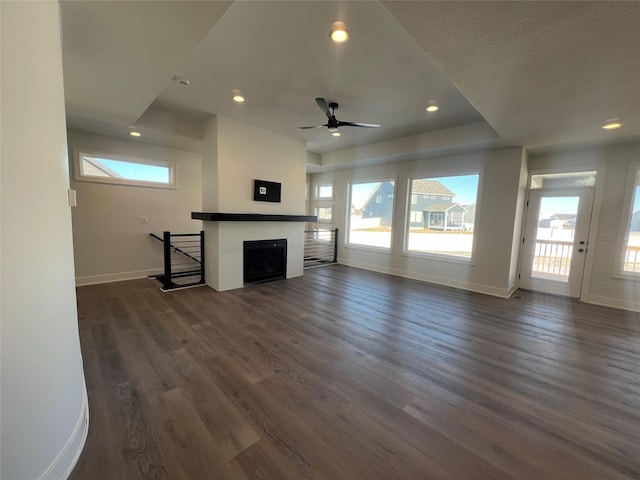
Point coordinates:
[[563, 216], [444, 207], [431, 187]]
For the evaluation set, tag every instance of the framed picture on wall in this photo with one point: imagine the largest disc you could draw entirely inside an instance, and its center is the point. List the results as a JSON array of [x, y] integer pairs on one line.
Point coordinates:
[[264, 191]]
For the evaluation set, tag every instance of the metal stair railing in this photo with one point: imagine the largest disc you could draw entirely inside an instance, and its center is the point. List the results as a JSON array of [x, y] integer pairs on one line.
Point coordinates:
[[320, 247], [183, 260]]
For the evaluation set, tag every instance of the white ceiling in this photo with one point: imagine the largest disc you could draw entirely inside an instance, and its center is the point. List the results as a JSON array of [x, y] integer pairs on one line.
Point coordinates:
[[539, 74]]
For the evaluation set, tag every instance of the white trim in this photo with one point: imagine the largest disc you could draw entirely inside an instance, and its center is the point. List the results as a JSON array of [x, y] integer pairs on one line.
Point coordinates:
[[64, 463], [116, 277], [439, 257], [598, 189], [322, 220], [476, 223], [614, 303], [318, 186], [346, 242], [443, 281], [633, 179]]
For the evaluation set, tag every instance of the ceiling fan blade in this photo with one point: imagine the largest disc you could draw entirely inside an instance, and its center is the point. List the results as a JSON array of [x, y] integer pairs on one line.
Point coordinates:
[[322, 103], [315, 126], [355, 124]]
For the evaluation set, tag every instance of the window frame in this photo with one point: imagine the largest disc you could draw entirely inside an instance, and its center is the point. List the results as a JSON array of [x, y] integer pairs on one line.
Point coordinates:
[[359, 246], [633, 181], [318, 186], [80, 177], [471, 260], [323, 220]]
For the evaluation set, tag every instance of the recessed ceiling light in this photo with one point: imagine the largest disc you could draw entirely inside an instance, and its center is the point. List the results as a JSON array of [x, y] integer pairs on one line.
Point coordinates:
[[135, 134], [432, 106], [237, 96], [612, 124], [339, 32], [336, 133]]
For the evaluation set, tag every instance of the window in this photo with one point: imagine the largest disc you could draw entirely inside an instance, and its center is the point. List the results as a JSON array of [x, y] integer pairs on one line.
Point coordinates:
[[414, 199], [631, 246], [324, 191], [563, 180], [371, 214], [106, 168], [324, 214], [442, 221], [416, 217]]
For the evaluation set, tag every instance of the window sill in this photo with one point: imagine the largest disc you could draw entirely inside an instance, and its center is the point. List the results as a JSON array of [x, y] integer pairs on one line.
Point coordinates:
[[368, 248], [440, 258]]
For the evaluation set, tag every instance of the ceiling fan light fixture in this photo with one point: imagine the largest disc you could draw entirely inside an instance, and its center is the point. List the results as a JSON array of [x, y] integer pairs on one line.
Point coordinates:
[[183, 82], [612, 124], [336, 133], [237, 96], [339, 32], [432, 106], [333, 129]]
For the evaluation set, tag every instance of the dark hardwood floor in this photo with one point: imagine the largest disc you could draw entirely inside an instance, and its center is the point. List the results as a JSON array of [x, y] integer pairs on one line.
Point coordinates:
[[354, 375]]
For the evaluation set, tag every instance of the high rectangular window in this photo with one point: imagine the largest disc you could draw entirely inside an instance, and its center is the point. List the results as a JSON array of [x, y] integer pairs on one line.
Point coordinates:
[[442, 218], [371, 215], [106, 168]]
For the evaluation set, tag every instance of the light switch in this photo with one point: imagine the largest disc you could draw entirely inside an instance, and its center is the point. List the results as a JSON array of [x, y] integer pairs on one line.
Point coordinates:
[[71, 195], [142, 219]]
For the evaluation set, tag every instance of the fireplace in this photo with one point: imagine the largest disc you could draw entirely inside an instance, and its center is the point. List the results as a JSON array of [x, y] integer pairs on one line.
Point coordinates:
[[265, 260]]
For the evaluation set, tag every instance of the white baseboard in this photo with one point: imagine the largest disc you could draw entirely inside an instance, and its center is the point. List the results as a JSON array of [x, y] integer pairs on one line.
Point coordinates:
[[116, 277], [447, 282], [614, 302], [66, 460]]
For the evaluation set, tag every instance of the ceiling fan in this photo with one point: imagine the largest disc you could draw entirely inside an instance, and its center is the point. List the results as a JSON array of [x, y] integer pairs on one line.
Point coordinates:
[[333, 123]]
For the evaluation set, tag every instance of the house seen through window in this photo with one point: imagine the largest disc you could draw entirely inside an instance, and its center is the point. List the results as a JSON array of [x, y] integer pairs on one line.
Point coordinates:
[[631, 247], [441, 220], [371, 214]]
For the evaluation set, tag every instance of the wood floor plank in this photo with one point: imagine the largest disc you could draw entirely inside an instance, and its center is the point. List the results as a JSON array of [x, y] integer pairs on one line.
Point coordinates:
[[228, 428], [354, 375], [186, 442]]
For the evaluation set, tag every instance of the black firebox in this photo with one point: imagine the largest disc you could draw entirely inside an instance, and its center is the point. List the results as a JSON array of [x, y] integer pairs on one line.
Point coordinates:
[[265, 260]]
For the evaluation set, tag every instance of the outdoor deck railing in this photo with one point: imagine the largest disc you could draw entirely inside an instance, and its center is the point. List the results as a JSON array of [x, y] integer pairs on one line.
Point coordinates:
[[632, 259], [552, 256]]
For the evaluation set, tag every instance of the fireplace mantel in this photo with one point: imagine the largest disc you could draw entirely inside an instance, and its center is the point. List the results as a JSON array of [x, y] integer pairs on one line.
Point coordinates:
[[251, 217]]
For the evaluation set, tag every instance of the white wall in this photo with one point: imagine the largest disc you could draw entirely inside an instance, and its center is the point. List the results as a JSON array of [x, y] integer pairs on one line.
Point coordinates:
[[500, 197], [43, 400], [110, 243], [246, 153], [234, 155], [620, 292]]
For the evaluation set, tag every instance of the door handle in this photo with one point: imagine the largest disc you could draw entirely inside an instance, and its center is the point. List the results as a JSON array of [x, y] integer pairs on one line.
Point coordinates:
[[581, 250], [581, 243]]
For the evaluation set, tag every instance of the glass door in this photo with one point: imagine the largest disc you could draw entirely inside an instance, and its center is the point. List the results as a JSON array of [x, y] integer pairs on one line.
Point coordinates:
[[555, 241]]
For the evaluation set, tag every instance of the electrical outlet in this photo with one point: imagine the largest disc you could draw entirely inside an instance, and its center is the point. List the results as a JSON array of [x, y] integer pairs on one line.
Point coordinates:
[[142, 219], [604, 286]]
